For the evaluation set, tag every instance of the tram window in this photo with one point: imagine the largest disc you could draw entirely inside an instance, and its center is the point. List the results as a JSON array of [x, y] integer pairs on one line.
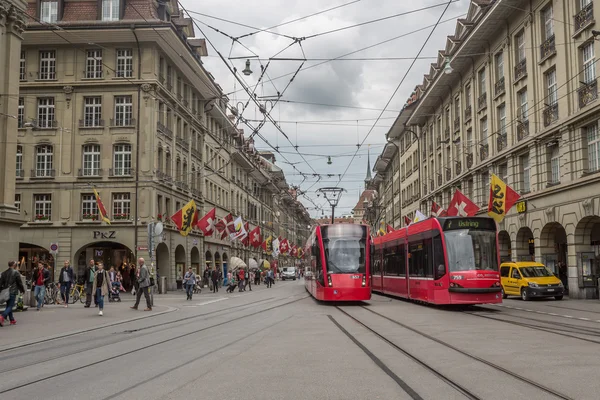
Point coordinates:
[[421, 260], [401, 260], [438, 258]]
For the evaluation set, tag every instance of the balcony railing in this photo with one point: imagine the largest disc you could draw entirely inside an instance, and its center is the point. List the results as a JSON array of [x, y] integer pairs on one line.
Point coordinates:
[[424, 154], [124, 172], [448, 174], [550, 114], [45, 124], [458, 168], [447, 133], [169, 83], [186, 103], [584, 17], [522, 129], [432, 185], [125, 122], [43, 173], [164, 176], [197, 193], [161, 78], [415, 167], [588, 93], [482, 102], [431, 149], [90, 172], [424, 189], [183, 143], [91, 123], [468, 112], [521, 69], [438, 142], [161, 128], [196, 153], [501, 141], [548, 48], [484, 151], [181, 186], [439, 179], [456, 124], [499, 87], [469, 160]]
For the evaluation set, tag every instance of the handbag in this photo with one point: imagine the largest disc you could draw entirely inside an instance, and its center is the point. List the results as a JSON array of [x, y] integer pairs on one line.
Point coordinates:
[[4, 295]]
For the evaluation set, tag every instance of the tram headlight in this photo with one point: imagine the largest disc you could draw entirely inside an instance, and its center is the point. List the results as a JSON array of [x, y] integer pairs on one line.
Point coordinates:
[[329, 281], [533, 284], [364, 281]]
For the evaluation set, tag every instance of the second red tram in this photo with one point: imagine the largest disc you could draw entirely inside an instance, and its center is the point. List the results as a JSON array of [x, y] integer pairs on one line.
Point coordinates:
[[452, 260], [338, 263]]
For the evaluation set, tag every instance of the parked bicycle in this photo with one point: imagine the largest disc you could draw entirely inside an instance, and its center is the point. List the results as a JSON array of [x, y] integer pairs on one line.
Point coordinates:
[[77, 293], [52, 295]]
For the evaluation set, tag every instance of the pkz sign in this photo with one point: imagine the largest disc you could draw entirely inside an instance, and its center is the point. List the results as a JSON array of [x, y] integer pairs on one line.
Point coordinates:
[[105, 235]]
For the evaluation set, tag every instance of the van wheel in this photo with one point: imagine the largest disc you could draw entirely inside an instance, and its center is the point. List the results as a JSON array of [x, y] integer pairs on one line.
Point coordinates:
[[559, 297], [524, 295], [504, 295]]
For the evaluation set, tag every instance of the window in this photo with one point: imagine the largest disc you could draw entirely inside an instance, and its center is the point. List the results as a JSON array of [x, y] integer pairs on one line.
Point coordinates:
[[47, 65], [93, 65], [589, 63], [91, 160], [19, 164], [123, 111], [468, 96], [483, 130], [89, 208], [18, 201], [21, 113], [522, 112], [520, 39], [593, 143], [110, 10], [92, 112], [481, 79], [551, 88], [502, 119], [121, 206], [503, 172], [42, 207], [122, 160], [526, 174], [554, 164], [124, 63], [44, 161], [45, 113], [499, 66], [49, 11], [22, 67], [548, 19]]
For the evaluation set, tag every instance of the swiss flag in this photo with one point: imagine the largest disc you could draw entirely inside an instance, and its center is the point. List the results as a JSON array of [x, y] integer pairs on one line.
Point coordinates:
[[246, 240], [462, 206], [284, 246], [207, 223], [294, 251], [407, 221], [438, 211], [255, 239]]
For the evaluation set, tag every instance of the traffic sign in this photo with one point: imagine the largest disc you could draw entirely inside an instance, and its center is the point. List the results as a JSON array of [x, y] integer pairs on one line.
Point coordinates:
[[54, 248]]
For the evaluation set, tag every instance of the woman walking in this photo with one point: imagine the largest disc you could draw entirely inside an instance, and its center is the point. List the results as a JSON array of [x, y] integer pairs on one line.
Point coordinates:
[[101, 286], [189, 280]]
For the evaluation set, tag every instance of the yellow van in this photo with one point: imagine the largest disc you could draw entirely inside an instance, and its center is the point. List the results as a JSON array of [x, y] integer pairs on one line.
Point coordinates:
[[529, 279]]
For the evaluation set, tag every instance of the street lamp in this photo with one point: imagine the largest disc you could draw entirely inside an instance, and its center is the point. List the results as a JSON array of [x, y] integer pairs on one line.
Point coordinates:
[[247, 71], [448, 68]]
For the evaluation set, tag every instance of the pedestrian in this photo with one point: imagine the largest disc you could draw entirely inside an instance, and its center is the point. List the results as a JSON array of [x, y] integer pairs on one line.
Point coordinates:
[[189, 280], [248, 279], [143, 283], [11, 280], [66, 279], [41, 277], [241, 280], [90, 272], [100, 286], [214, 277]]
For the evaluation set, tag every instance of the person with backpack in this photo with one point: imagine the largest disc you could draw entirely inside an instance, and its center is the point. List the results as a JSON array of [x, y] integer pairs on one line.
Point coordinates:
[[66, 278], [189, 280], [10, 280]]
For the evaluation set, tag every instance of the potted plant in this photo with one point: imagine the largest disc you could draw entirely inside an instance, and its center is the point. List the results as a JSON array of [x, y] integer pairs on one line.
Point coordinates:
[[41, 217]]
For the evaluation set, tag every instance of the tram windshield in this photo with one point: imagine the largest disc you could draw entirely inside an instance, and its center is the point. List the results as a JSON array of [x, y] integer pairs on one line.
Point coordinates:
[[471, 250], [345, 249]]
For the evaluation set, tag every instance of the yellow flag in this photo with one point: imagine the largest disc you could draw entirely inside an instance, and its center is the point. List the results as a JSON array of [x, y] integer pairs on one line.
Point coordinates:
[[502, 198], [186, 218]]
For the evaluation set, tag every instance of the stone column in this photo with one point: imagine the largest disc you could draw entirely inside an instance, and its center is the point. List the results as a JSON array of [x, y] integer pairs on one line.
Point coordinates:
[[12, 25]]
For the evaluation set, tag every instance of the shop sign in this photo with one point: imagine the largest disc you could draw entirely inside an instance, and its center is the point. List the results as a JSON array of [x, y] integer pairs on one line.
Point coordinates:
[[521, 206], [142, 248], [105, 235]]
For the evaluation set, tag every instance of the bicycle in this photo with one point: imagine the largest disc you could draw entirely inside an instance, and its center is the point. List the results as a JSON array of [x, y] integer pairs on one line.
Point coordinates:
[[52, 295], [77, 293]]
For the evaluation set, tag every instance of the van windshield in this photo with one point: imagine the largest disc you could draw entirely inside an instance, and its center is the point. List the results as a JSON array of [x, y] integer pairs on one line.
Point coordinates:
[[535, 272]]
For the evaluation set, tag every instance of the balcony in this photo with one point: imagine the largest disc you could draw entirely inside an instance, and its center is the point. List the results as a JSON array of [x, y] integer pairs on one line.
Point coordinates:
[[424, 154], [424, 189], [484, 151], [468, 112], [439, 179], [431, 149], [482, 102], [587, 93], [521, 69], [121, 172], [90, 172], [164, 176], [522, 129], [584, 18], [20, 174], [499, 87], [458, 168], [91, 123], [438, 143], [182, 186], [197, 193], [162, 129], [186, 103], [169, 83], [550, 114], [501, 141], [469, 160], [447, 133], [45, 124], [123, 122], [182, 143], [432, 185], [161, 78], [457, 124], [415, 167], [448, 174], [43, 173], [548, 48], [196, 153]]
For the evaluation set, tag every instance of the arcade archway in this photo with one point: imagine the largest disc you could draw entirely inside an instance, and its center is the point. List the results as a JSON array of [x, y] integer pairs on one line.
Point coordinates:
[[195, 260], [525, 245], [162, 262], [111, 254], [505, 246], [179, 265], [30, 255], [587, 248], [553, 247]]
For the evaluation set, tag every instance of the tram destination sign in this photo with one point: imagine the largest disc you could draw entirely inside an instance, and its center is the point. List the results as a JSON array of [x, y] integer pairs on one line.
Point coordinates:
[[481, 224]]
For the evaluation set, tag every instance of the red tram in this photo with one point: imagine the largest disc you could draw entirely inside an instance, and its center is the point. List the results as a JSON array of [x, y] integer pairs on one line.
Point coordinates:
[[452, 260], [338, 263]]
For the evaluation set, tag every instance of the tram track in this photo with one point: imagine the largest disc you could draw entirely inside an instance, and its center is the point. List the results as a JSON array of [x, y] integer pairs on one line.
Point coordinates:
[[143, 348], [494, 366], [409, 390]]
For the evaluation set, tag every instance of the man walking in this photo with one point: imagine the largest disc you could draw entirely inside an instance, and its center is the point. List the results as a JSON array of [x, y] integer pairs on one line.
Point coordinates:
[[143, 280], [41, 277], [90, 272], [66, 279], [248, 279], [101, 286], [215, 280], [10, 279]]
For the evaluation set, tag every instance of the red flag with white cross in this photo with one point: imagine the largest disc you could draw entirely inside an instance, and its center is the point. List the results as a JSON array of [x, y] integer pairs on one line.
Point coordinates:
[[207, 223], [462, 206], [255, 238], [438, 211]]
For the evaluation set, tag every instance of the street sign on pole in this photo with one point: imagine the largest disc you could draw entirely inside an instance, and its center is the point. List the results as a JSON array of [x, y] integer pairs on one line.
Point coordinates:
[[54, 248]]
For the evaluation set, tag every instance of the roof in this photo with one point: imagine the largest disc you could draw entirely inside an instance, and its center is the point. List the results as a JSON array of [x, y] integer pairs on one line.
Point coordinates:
[[368, 195]]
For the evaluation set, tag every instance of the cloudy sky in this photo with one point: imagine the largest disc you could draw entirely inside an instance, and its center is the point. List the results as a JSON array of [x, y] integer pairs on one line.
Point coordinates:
[[330, 106]]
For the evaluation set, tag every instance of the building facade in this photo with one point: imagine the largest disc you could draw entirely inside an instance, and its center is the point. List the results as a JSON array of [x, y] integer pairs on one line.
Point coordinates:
[[128, 110], [12, 25], [514, 93]]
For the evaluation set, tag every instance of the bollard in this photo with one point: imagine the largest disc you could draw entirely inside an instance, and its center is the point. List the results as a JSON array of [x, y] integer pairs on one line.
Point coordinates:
[[162, 287]]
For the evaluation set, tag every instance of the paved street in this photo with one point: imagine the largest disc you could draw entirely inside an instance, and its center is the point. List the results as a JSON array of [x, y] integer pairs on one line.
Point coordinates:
[[280, 344]]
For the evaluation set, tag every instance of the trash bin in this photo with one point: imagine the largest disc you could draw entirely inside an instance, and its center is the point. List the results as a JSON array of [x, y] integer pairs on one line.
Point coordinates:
[[162, 285], [32, 299]]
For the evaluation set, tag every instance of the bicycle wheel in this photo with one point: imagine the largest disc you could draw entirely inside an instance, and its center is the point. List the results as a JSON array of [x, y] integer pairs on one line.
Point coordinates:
[[74, 296], [82, 296]]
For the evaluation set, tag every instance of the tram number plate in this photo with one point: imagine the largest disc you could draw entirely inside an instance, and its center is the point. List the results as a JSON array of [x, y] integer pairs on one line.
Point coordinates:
[[551, 290], [355, 277]]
